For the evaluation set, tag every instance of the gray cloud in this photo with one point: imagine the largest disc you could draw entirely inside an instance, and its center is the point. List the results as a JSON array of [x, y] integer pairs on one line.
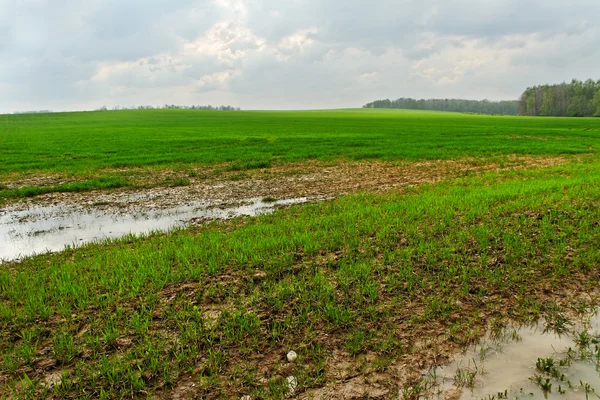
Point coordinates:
[[68, 54]]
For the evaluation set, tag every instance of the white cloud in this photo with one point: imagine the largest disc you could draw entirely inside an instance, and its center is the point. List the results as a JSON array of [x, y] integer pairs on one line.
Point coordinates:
[[67, 54], [214, 81]]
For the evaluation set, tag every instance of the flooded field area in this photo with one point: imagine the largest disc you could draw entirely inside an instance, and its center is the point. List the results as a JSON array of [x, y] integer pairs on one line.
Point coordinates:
[[38, 229], [526, 363], [54, 220]]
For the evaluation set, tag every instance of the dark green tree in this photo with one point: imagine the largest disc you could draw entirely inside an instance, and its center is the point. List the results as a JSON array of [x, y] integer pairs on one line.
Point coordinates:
[[596, 102], [574, 99], [452, 105]]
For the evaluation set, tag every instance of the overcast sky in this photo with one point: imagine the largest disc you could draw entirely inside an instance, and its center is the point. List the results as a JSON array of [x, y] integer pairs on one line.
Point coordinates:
[[273, 54]]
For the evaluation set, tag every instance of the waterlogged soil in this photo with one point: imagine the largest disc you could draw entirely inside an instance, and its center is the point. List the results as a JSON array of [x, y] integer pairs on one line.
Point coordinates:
[[355, 376], [529, 362], [52, 221], [308, 179], [38, 229]]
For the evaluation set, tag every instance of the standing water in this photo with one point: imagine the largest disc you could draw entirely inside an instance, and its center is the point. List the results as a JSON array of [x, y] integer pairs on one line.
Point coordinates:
[[526, 363], [52, 228]]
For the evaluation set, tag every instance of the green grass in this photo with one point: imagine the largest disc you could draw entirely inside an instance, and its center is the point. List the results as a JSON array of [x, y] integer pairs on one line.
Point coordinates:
[[80, 186], [90, 141], [219, 306], [371, 279]]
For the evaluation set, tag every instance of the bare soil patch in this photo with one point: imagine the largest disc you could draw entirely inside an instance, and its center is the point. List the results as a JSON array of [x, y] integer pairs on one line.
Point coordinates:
[[316, 180]]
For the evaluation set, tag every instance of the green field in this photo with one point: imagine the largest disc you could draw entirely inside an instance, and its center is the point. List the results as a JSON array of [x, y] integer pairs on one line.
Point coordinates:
[[388, 283], [78, 142]]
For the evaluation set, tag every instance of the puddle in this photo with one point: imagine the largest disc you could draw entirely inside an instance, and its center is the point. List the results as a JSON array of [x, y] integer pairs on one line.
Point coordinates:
[[525, 363], [51, 228]]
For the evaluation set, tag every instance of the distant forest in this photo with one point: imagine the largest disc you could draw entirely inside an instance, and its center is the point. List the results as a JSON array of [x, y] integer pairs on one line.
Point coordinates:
[[575, 99], [166, 106], [454, 105], [174, 107]]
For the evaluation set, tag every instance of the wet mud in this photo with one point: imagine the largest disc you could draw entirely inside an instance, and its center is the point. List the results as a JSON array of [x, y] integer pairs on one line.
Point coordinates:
[[529, 362]]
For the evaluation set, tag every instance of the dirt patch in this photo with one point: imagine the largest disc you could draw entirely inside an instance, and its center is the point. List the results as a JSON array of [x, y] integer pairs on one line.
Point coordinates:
[[360, 387], [528, 137], [310, 179], [410, 375]]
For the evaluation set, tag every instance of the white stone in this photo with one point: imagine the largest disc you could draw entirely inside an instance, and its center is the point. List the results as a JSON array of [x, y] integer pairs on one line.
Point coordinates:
[[292, 384], [292, 356], [246, 397]]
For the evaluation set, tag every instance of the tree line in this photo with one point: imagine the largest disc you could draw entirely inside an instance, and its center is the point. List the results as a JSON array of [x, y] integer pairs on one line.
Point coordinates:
[[33, 112], [166, 106], [575, 99], [505, 107], [173, 107]]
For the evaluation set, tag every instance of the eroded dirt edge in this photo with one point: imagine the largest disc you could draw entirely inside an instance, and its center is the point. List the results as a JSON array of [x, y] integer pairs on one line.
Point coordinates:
[[314, 180]]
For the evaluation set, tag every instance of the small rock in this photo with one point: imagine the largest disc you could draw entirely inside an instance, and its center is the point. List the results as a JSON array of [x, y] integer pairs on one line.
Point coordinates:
[[123, 342], [292, 356], [260, 275], [292, 384], [46, 364], [453, 394], [246, 397], [54, 379]]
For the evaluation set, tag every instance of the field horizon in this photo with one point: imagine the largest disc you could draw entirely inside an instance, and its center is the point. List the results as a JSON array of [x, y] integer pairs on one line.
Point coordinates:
[[94, 140]]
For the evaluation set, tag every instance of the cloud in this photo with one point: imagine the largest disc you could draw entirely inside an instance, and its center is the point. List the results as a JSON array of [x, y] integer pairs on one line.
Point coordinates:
[[67, 54]]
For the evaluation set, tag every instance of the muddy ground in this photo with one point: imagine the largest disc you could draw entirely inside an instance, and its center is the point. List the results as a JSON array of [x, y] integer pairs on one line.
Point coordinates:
[[315, 179]]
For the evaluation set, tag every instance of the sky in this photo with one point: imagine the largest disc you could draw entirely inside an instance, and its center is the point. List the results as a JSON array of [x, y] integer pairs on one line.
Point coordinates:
[[287, 54]]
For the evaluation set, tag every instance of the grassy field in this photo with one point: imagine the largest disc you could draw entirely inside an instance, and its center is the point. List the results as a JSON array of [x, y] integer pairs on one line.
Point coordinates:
[[98, 150], [79, 142], [383, 284]]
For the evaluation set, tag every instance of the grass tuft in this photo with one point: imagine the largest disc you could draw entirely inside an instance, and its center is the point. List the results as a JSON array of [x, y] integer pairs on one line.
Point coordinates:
[[81, 186]]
